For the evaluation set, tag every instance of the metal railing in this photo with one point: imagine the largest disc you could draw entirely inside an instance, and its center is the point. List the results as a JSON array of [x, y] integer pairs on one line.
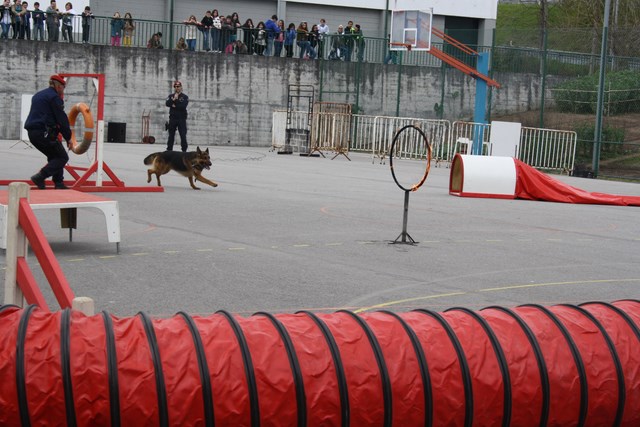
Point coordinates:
[[515, 59], [548, 149]]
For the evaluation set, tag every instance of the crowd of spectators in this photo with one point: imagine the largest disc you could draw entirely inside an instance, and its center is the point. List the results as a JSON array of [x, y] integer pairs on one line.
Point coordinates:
[[272, 37], [217, 33]]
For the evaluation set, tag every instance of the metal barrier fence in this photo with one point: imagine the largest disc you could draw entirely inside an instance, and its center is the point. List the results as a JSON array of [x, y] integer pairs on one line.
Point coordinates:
[[548, 149], [385, 128], [330, 132], [462, 136]]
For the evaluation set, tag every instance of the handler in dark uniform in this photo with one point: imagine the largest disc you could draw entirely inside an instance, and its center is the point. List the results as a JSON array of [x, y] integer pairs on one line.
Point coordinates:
[[177, 103], [45, 122]]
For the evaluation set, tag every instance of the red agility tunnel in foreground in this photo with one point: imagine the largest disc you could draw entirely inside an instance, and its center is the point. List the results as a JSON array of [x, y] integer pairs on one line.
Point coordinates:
[[563, 365]]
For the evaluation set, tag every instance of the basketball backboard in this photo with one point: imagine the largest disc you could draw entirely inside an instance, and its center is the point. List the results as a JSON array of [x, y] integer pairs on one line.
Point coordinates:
[[411, 27]]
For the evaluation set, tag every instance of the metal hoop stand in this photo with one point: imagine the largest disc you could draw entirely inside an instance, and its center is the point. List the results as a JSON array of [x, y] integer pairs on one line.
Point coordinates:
[[404, 237]]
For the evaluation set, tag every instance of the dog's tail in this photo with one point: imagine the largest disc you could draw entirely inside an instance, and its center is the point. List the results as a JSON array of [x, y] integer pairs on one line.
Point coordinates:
[[149, 159]]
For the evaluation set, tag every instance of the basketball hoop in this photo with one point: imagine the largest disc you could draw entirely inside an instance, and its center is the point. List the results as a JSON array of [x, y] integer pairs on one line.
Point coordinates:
[[399, 46]]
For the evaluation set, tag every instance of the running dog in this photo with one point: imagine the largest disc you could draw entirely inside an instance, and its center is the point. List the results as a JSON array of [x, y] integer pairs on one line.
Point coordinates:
[[188, 164]]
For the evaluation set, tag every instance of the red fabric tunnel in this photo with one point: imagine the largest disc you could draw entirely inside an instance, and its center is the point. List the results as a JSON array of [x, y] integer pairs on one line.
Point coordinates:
[[526, 366]]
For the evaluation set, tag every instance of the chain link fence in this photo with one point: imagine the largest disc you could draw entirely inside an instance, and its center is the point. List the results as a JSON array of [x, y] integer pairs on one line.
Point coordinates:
[[567, 63]]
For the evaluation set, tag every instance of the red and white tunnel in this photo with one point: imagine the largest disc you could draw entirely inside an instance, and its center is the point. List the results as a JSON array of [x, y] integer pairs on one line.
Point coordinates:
[[563, 365], [510, 178]]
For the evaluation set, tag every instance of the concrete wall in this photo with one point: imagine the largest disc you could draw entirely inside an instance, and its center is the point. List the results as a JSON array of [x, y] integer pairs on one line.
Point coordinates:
[[232, 97]]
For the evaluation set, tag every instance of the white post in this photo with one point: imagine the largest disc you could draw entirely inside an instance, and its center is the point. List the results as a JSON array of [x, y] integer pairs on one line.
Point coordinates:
[[16, 243], [100, 152], [85, 305]]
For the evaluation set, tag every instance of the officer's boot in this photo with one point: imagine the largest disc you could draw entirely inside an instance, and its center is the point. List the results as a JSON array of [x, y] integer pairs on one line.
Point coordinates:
[[38, 180]]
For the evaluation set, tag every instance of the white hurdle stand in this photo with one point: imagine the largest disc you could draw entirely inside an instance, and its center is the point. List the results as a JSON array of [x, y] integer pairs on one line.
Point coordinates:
[[65, 199]]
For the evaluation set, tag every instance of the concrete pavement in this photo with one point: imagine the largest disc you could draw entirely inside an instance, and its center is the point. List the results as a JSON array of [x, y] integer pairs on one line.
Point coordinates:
[[283, 233]]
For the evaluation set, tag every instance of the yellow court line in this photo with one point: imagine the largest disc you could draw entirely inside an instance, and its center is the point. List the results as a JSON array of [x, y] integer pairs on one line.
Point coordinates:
[[301, 246], [140, 254], [529, 285], [236, 249], [400, 301], [535, 285], [107, 256], [75, 259], [205, 250]]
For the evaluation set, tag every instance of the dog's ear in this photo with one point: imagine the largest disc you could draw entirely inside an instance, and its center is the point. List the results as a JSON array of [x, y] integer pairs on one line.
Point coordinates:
[[207, 150], [198, 150]]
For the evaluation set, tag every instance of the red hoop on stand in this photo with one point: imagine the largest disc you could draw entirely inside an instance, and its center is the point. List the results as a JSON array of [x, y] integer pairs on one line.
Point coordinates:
[[82, 174]]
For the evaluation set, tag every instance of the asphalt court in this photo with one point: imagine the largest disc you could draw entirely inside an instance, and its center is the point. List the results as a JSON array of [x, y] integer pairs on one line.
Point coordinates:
[[283, 233]]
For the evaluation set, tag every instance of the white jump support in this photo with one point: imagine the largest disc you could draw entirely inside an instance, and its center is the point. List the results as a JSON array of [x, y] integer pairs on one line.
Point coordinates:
[[16, 243], [50, 199]]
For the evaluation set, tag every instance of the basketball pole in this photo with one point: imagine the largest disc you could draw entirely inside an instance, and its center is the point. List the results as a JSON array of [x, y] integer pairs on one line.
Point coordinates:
[[480, 103]]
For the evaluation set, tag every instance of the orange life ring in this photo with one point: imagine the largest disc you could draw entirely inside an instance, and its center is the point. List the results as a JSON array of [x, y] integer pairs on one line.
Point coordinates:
[[81, 108]]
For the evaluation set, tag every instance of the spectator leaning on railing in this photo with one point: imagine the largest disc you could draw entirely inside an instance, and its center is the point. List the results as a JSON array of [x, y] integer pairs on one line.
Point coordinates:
[[53, 22], [289, 39], [128, 30], [271, 26], [26, 22], [249, 35], [38, 22], [155, 42], [205, 26], [67, 22], [191, 32], [323, 30], [5, 19], [87, 21], [216, 31], [117, 24], [278, 41]]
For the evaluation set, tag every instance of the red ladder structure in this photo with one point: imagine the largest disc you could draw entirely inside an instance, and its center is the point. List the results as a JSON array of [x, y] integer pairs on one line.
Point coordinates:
[[456, 63]]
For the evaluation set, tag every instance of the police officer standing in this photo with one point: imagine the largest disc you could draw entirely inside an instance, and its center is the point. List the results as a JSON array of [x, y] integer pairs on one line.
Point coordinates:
[[46, 120], [177, 103]]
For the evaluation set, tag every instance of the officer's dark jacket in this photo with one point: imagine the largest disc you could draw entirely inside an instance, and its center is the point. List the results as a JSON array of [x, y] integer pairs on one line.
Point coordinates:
[[177, 110], [47, 114]]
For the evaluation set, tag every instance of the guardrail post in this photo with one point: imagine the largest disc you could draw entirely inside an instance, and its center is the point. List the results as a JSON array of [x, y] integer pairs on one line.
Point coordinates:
[[16, 243]]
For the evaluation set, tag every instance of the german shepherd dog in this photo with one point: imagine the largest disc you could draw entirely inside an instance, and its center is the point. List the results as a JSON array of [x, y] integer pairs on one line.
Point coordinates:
[[188, 164]]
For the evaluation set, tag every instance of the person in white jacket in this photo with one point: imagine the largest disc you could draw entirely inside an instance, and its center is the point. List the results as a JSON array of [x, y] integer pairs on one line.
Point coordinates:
[[68, 17], [323, 30]]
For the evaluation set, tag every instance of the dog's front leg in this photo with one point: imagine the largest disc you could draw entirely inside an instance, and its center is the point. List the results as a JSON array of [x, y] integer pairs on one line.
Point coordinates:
[[206, 181], [192, 184]]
